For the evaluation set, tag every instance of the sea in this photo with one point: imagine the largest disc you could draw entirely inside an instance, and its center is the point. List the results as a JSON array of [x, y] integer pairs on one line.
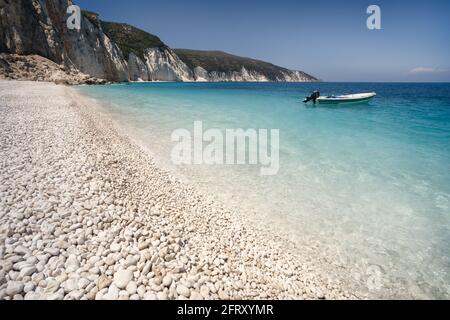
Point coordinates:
[[366, 184]]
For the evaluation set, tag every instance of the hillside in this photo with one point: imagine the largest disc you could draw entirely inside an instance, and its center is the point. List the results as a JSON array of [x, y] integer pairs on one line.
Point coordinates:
[[214, 65], [127, 37], [131, 39], [115, 52], [220, 61], [217, 64]]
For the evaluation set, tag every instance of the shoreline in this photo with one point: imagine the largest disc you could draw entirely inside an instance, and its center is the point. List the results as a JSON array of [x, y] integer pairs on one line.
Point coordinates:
[[89, 215]]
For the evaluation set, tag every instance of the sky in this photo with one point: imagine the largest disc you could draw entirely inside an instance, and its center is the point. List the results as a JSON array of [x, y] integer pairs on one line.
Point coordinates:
[[328, 39]]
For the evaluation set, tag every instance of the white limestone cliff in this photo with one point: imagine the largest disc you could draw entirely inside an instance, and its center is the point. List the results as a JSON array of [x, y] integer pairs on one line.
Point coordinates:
[[201, 75], [137, 69], [235, 76], [37, 27], [164, 65], [92, 52]]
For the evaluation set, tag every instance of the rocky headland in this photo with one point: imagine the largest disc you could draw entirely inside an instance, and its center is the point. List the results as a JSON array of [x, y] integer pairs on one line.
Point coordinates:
[[111, 52]]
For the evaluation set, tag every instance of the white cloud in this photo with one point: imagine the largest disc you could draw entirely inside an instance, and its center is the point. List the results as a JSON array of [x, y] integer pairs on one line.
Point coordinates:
[[428, 70]]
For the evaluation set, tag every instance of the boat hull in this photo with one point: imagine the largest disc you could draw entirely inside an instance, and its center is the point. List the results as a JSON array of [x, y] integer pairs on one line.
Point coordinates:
[[346, 99]]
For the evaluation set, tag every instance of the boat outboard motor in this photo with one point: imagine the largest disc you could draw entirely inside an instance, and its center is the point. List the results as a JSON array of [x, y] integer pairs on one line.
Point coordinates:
[[313, 96]]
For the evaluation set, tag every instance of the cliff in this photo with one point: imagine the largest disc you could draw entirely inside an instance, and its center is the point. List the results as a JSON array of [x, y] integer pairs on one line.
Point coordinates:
[[39, 27], [112, 51], [37, 68], [222, 66], [148, 57]]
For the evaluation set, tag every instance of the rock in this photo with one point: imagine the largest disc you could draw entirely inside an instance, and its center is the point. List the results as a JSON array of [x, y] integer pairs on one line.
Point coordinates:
[[29, 286], [83, 283], [188, 283], [56, 296], [183, 290], [134, 297], [141, 291], [62, 277], [52, 286], [147, 268], [113, 293], [19, 265], [99, 296], [167, 281], [157, 280], [212, 287], [70, 285], [62, 244], [7, 266], [13, 288], [122, 278], [115, 247], [150, 296], [91, 286], [223, 295], [27, 271], [204, 291], [109, 261], [143, 245], [91, 294], [32, 296], [196, 296], [109, 200], [161, 296], [72, 263], [2, 277], [131, 261], [32, 260], [94, 270], [21, 250], [123, 295], [52, 251], [103, 282], [131, 288], [137, 69]]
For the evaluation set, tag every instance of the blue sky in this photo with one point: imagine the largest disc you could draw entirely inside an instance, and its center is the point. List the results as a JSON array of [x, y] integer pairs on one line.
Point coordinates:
[[328, 39]]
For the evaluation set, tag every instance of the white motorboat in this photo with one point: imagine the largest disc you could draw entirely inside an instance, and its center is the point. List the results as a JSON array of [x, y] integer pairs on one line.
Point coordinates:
[[357, 97]]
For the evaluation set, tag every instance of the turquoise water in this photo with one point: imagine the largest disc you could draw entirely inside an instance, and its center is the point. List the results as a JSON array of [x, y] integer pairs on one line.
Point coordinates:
[[366, 184]]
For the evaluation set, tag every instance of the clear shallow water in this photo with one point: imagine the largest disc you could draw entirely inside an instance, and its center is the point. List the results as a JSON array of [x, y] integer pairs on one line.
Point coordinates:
[[367, 184]]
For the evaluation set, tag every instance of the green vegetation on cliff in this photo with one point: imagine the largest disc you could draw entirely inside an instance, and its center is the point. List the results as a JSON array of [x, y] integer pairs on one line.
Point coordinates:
[[224, 62], [128, 38], [92, 17], [133, 40]]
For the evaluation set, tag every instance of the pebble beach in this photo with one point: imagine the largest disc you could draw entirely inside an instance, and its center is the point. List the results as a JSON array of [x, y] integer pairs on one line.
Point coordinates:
[[85, 213]]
